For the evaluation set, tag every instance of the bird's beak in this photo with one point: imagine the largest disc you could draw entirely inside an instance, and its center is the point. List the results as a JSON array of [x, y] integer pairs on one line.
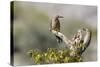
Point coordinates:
[[61, 17]]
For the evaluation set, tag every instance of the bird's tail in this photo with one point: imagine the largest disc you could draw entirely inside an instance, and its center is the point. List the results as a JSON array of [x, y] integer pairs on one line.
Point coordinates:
[[59, 40]]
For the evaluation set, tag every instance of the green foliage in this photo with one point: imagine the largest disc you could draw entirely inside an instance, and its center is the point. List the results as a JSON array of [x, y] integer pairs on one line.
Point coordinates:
[[53, 55]]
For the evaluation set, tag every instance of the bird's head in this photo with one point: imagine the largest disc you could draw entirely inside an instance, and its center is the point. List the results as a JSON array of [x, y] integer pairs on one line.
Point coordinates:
[[58, 16]]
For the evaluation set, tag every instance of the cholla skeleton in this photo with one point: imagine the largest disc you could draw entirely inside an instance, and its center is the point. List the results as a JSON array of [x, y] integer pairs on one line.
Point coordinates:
[[78, 38]]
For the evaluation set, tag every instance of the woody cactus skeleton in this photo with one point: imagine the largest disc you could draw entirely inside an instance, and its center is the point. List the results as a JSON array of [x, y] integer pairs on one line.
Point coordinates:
[[80, 41], [76, 46]]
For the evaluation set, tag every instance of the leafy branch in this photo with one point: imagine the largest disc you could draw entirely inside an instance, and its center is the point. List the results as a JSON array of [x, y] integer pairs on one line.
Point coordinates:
[[53, 55]]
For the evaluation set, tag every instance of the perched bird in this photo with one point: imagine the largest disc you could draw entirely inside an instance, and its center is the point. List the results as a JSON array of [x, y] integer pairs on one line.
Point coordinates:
[[55, 25], [87, 38]]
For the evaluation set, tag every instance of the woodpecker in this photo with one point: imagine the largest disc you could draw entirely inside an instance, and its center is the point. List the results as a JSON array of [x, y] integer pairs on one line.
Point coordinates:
[[55, 25]]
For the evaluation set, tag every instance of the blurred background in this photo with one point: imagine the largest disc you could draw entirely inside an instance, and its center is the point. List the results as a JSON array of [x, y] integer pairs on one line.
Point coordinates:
[[31, 22]]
